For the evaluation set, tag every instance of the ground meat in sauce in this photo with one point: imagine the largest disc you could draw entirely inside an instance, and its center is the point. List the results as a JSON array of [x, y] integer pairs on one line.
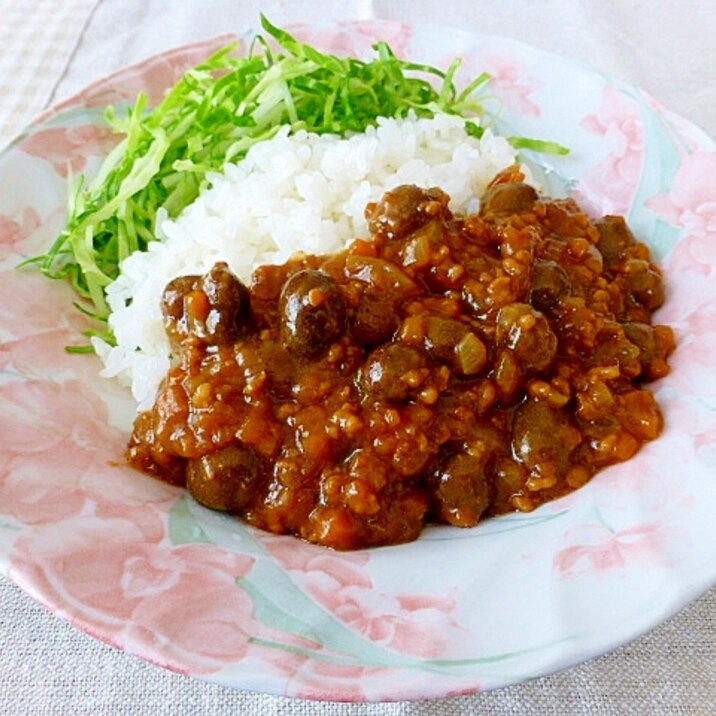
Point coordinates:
[[444, 369]]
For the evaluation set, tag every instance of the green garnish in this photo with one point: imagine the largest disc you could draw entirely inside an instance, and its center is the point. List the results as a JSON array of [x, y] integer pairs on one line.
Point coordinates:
[[211, 117], [538, 145]]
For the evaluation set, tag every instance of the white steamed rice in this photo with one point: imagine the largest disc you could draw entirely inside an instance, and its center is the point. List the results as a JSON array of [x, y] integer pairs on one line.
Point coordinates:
[[300, 192]]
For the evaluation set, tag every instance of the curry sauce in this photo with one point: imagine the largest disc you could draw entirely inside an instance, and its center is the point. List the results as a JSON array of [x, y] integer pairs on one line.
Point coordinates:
[[443, 369]]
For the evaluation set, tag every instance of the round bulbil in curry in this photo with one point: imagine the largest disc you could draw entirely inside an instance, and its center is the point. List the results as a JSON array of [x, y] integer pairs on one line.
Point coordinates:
[[313, 312]]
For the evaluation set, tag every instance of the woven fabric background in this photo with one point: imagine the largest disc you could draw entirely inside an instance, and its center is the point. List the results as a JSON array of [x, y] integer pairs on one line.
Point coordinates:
[[37, 40]]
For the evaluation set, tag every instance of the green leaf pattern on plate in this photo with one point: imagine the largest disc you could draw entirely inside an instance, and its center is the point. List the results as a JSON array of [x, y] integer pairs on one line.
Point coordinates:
[[278, 599]]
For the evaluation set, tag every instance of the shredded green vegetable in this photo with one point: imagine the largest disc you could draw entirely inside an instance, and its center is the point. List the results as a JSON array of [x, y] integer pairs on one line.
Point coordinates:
[[212, 116]]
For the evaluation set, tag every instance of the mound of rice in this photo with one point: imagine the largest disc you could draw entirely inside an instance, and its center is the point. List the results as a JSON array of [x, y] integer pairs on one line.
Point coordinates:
[[295, 192]]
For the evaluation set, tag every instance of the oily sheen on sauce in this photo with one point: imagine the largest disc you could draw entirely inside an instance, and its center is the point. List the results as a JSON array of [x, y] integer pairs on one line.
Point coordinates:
[[445, 368]]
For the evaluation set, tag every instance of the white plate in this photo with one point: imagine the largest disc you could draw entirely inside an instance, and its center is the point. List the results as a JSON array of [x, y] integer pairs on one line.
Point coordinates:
[[135, 563]]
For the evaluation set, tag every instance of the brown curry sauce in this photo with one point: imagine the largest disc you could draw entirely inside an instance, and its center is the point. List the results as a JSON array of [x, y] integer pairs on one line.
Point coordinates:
[[444, 369]]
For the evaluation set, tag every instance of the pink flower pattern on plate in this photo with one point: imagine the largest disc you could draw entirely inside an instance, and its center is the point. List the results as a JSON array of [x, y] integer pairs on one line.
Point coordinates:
[[154, 76], [52, 469], [356, 38], [512, 82], [690, 204], [598, 549], [321, 678], [616, 179], [30, 305], [420, 625], [44, 355], [68, 149], [510, 78], [17, 228], [179, 606]]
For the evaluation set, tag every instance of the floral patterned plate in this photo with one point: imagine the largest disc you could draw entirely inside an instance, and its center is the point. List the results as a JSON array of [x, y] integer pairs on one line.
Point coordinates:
[[139, 565]]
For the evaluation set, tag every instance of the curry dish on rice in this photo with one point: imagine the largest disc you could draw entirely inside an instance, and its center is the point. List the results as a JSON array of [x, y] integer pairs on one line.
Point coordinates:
[[444, 369]]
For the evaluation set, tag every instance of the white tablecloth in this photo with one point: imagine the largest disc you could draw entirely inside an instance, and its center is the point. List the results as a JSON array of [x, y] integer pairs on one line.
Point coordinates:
[[51, 48]]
